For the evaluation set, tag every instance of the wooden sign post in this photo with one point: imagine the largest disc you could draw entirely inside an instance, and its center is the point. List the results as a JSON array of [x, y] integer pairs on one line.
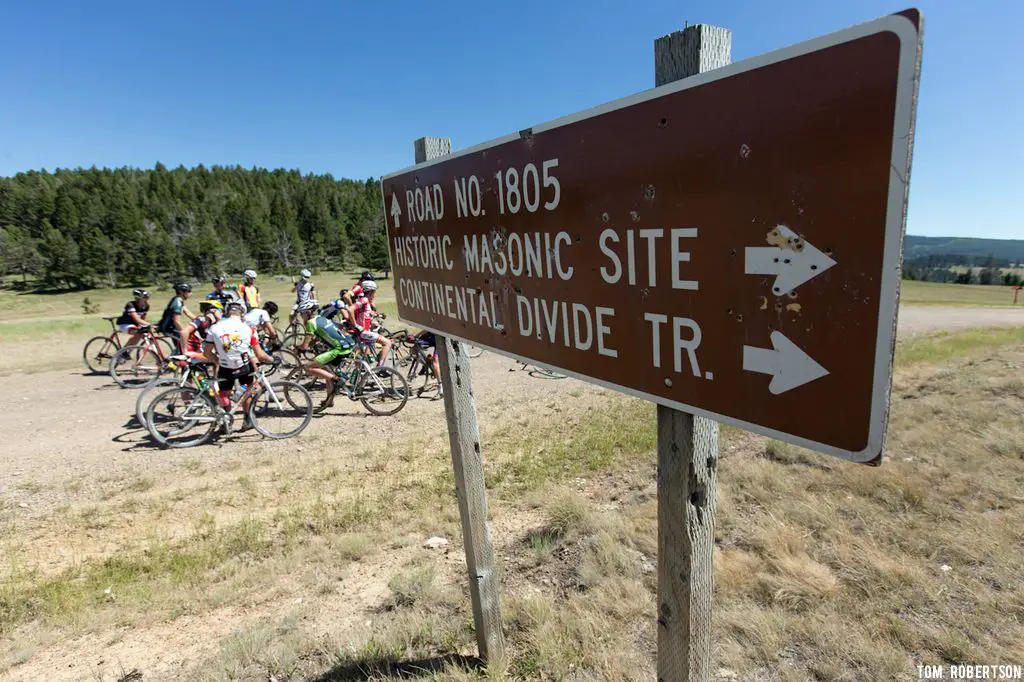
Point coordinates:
[[467, 461], [687, 451]]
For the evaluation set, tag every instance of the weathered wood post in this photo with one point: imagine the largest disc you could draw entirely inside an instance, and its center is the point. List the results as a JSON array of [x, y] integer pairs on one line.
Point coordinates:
[[467, 461], [687, 450]]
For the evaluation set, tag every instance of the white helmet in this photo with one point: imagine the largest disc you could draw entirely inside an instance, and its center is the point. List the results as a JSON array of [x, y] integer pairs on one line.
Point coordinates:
[[308, 305], [368, 285], [250, 274], [306, 274]]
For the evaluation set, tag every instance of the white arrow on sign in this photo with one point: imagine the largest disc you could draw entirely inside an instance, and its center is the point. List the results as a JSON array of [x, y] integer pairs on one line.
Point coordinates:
[[790, 267], [789, 366], [396, 210]]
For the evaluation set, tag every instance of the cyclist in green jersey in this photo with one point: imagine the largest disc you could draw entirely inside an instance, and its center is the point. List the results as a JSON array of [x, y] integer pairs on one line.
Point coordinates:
[[340, 345]]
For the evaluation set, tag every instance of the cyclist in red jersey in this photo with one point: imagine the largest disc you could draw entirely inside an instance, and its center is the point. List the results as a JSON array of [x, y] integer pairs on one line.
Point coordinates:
[[194, 334], [362, 317], [356, 291]]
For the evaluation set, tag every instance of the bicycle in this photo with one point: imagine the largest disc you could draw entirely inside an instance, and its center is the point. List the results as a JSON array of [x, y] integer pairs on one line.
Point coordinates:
[[146, 361], [359, 380], [419, 366], [189, 372], [192, 416], [99, 349]]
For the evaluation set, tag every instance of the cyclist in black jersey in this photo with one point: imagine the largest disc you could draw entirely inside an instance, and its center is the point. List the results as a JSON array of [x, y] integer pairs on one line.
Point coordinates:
[[220, 293], [133, 319], [336, 306]]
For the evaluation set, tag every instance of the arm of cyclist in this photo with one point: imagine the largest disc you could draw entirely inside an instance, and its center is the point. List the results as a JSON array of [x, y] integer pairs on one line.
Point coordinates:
[[210, 353]]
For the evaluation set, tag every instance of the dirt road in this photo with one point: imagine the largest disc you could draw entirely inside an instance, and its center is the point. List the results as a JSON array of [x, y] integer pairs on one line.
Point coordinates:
[[67, 436], [917, 320]]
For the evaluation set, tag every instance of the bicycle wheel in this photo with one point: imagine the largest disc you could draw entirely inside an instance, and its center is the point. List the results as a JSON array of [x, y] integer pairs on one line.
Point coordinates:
[[145, 395], [419, 376], [291, 365], [97, 353], [384, 391], [181, 417], [168, 346], [281, 412], [294, 338], [136, 367]]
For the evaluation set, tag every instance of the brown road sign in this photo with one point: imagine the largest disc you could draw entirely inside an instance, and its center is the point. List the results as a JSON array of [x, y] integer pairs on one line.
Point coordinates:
[[728, 245]]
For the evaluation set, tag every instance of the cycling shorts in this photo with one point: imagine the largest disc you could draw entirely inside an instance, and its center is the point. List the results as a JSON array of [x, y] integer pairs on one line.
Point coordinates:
[[368, 336], [428, 341], [226, 377], [334, 356], [127, 328]]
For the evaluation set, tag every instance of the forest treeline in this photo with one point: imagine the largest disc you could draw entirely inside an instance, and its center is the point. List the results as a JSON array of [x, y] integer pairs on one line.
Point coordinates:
[[125, 226], [961, 269]]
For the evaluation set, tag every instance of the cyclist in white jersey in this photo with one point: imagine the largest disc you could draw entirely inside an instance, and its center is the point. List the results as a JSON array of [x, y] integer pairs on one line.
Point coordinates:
[[260, 320], [231, 345], [305, 290]]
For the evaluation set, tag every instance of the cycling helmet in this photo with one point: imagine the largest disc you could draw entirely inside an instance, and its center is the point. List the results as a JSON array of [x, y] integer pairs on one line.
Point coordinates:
[[306, 274], [270, 307], [341, 294], [207, 305], [140, 293], [368, 285], [250, 274], [366, 275], [183, 286], [308, 305], [219, 280], [233, 307]]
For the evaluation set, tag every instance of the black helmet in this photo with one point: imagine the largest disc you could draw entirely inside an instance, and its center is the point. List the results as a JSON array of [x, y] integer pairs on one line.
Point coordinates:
[[342, 293], [219, 280], [140, 293], [270, 307], [183, 286], [366, 275]]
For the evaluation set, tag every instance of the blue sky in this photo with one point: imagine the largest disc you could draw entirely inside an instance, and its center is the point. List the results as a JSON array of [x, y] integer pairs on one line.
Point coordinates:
[[345, 87]]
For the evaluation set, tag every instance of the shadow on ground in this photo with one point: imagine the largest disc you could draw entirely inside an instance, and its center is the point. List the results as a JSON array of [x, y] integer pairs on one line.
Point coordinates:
[[385, 667]]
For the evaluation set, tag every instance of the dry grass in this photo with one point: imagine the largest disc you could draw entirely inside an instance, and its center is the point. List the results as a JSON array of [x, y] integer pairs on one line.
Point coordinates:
[[823, 569]]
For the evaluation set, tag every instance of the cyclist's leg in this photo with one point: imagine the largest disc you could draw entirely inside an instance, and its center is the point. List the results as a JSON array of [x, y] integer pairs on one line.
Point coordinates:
[[245, 377], [134, 330], [372, 338], [333, 357], [225, 385]]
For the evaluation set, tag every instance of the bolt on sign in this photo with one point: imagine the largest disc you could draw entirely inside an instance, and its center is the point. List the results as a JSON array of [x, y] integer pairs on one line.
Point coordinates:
[[728, 245]]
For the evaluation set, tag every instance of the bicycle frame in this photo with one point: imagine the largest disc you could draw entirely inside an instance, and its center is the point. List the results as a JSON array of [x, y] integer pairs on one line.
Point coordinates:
[[226, 417], [360, 367]]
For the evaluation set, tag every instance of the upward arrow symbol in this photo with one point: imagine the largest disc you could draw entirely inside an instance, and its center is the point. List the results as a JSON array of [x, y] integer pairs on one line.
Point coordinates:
[[396, 210], [790, 267]]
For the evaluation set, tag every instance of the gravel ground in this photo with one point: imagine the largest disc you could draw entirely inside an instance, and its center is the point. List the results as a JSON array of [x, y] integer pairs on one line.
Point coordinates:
[[67, 435]]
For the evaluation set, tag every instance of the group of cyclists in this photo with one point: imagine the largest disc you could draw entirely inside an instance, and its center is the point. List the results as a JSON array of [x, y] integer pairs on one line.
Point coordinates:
[[226, 332]]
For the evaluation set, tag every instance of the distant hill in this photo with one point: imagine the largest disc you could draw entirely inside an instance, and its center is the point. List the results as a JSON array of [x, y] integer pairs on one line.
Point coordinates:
[[1003, 249]]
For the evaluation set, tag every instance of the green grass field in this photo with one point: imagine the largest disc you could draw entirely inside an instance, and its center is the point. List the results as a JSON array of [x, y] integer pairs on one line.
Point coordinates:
[[936, 293], [40, 331]]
